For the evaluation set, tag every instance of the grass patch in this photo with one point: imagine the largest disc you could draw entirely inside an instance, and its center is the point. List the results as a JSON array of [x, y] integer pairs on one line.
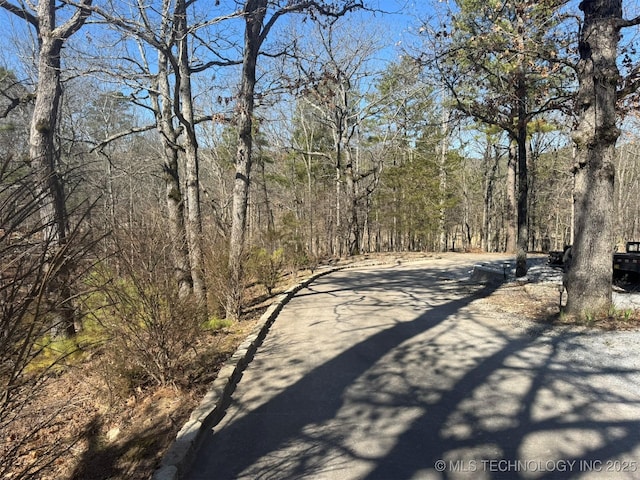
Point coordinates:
[[54, 354], [215, 324], [612, 319]]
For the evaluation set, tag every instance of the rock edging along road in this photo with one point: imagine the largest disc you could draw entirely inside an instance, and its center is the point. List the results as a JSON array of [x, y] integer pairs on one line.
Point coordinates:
[[211, 408], [398, 372]]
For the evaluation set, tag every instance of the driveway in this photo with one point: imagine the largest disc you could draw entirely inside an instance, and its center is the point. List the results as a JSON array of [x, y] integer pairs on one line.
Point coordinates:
[[396, 373]]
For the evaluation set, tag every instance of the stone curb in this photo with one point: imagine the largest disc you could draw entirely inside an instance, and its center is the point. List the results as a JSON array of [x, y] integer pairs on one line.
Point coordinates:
[[489, 274], [209, 412]]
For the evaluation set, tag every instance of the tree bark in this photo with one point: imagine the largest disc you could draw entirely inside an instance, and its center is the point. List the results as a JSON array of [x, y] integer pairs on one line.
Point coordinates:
[[50, 185], [523, 181], [511, 244], [162, 105], [255, 11], [44, 154], [589, 278], [184, 111], [353, 228]]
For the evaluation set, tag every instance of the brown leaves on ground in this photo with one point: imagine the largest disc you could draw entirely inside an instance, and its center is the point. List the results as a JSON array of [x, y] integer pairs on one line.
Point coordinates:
[[91, 430]]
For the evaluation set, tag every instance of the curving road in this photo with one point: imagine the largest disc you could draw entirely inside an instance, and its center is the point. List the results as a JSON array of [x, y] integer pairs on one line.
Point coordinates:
[[396, 373]]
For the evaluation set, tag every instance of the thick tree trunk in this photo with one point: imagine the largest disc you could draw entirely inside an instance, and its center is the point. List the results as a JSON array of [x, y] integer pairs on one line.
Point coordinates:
[[175, 209], [44, 158], [44, 161], [589, 278], [254, 15], [162, 105], [50, 186], [184, 111]]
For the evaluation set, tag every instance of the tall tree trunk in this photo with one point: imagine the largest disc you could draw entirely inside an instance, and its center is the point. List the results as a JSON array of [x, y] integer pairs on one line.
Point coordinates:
[[312, 250], [511, 244], [353, 229], [338, 211], [491, 166], [162, 105], [442, 165], [44, 154], [50, 186], [523, 181], [255, 11], [184, 111], [521, 134], [589, 278]]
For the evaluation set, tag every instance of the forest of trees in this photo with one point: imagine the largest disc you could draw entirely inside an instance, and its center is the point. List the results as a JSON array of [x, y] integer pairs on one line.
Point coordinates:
[[159, 156]]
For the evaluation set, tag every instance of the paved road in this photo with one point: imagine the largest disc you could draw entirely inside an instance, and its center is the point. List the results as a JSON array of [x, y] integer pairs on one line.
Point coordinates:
[[396, 373]]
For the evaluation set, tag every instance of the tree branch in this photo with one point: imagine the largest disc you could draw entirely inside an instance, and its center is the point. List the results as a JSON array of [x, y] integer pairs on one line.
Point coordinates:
[[20, 12], [76, 21], [119, 135], [319, 6], [630, 84], [622, 23]]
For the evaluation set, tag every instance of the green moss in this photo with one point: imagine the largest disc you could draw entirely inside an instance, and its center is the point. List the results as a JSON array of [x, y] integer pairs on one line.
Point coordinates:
[[54, 354]]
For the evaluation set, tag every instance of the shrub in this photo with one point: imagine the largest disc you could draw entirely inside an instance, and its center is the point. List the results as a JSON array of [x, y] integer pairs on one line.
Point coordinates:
[[38, 280], [215, 324], [150, 329], [267, 267]]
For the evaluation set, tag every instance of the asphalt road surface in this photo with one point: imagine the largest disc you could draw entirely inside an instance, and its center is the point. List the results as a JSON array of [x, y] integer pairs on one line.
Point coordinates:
[[396, 373]]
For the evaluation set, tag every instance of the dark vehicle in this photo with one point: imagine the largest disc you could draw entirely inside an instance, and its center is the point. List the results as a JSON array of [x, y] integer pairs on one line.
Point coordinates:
[[628, 262], [556, 257]]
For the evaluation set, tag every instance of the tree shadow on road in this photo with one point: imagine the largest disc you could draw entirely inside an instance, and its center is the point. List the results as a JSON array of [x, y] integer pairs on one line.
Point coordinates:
[[446, 384]]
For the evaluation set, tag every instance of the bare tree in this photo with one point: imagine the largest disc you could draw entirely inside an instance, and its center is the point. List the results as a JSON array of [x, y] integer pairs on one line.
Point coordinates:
[[171, 96], [44, 152], [260, 16], [184, 109], [332, 70], [162, 104]]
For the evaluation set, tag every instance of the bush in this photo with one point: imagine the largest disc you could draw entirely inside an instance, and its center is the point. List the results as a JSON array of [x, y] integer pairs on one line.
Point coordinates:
[[215, 324], [150, 329], [37, 281], [267, 267], [218, 277]]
